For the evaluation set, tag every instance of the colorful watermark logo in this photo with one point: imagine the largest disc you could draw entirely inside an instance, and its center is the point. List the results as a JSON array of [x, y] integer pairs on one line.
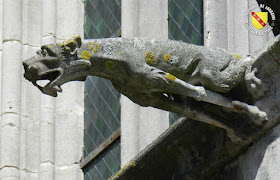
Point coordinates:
[[257, 22]]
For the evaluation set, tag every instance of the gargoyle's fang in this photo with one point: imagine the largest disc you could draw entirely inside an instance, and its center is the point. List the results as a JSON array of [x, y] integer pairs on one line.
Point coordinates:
[[57, 88]]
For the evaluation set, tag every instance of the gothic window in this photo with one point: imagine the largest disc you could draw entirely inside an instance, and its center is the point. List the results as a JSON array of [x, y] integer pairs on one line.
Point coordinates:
[[102, 107]]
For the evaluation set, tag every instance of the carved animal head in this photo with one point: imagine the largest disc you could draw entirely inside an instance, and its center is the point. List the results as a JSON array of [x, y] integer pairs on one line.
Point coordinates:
[[58, 63]]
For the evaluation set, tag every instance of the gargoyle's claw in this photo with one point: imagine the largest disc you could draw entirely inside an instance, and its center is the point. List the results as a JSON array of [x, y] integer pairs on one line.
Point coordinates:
[[258, 117], [201, 93]]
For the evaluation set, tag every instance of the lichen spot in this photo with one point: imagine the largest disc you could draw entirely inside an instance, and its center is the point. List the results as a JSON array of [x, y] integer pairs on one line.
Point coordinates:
[[61, 44], [237, 56], [86, 55], [117, 53], [133, 163], [170, 77], [93, 46], [109, 64], [150, 58], [69, 41], [167, 57], [122, 52]]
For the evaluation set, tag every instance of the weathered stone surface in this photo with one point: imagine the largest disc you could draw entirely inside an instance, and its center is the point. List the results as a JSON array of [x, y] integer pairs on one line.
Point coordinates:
[[171, 153], [73, 172], [151, 73], [179, 151], [208, 85], [12, 16], [259, 162]]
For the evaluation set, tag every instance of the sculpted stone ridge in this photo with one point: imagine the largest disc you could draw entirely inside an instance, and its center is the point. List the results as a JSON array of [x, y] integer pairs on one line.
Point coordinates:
[[164, 74]]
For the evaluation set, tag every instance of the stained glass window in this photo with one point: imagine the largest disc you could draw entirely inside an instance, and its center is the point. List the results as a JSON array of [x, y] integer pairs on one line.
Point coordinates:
[[102, 107], [185, 23]]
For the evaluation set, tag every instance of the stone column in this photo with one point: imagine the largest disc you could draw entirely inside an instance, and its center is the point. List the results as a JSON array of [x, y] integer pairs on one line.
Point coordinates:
[[47, 105], [141, 125], [40, 137], [30, 104], [11, 89], [69, 108]]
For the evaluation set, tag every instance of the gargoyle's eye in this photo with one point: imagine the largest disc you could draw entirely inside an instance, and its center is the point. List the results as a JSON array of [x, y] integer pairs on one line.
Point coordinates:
[[51, 52], [47, 51], [44, 52]]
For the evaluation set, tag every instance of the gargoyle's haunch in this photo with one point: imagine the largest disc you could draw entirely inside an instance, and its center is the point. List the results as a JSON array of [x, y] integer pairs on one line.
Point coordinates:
[[150, 73]]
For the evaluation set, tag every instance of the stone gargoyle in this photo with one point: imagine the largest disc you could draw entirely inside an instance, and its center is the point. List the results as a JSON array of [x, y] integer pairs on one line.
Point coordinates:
[[200, 83]]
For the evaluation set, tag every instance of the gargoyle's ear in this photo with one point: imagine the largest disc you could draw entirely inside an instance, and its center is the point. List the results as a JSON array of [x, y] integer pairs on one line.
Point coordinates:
[[72, 45], [78, 40]]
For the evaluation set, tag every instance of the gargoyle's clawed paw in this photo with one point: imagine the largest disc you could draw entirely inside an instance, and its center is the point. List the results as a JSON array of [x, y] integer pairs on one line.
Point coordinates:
[[254, 84], [258, 117], [200, 93]]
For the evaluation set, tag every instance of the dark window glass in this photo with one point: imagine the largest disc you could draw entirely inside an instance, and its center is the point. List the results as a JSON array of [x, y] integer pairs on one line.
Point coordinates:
[[102, 107]]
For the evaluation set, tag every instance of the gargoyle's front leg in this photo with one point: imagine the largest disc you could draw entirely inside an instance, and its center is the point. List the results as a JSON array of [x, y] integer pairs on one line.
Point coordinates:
[[173, 85]]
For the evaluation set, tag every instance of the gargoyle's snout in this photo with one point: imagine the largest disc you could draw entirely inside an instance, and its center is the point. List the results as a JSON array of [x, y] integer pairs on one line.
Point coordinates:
[[36, 70], [30, 71]]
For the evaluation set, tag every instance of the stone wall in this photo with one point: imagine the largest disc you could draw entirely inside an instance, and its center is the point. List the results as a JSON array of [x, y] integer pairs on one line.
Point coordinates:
[[142, 125], [40, 137], [261, 160]]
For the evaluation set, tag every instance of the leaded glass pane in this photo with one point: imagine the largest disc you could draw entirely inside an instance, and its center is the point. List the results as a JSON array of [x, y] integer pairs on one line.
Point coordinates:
[[105, 165], [102, 18], [102, 107], [185, 24]]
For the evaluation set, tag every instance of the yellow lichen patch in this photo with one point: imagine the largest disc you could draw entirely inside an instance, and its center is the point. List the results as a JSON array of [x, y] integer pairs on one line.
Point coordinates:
[[167, 57], [237, 56], [93, 46], [120, 172], [61, 44], [150, 58], [69, 41], [109, 64], [133, 163], [77, 37], [122, 52], [170, 77], [117, 53], [86, 55], [123, 170], [72, 40]]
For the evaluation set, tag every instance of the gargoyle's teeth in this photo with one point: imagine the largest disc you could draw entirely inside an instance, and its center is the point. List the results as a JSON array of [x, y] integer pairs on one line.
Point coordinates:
[[57, 88]]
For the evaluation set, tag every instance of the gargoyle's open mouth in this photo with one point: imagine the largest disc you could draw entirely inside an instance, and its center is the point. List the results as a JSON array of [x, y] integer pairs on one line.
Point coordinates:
[[53, 86]]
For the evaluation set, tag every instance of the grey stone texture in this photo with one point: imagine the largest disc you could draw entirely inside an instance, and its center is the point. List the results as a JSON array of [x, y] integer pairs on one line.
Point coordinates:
[[142, 125], [144, 70], [35, 141], [168, 75], [192, 150]]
